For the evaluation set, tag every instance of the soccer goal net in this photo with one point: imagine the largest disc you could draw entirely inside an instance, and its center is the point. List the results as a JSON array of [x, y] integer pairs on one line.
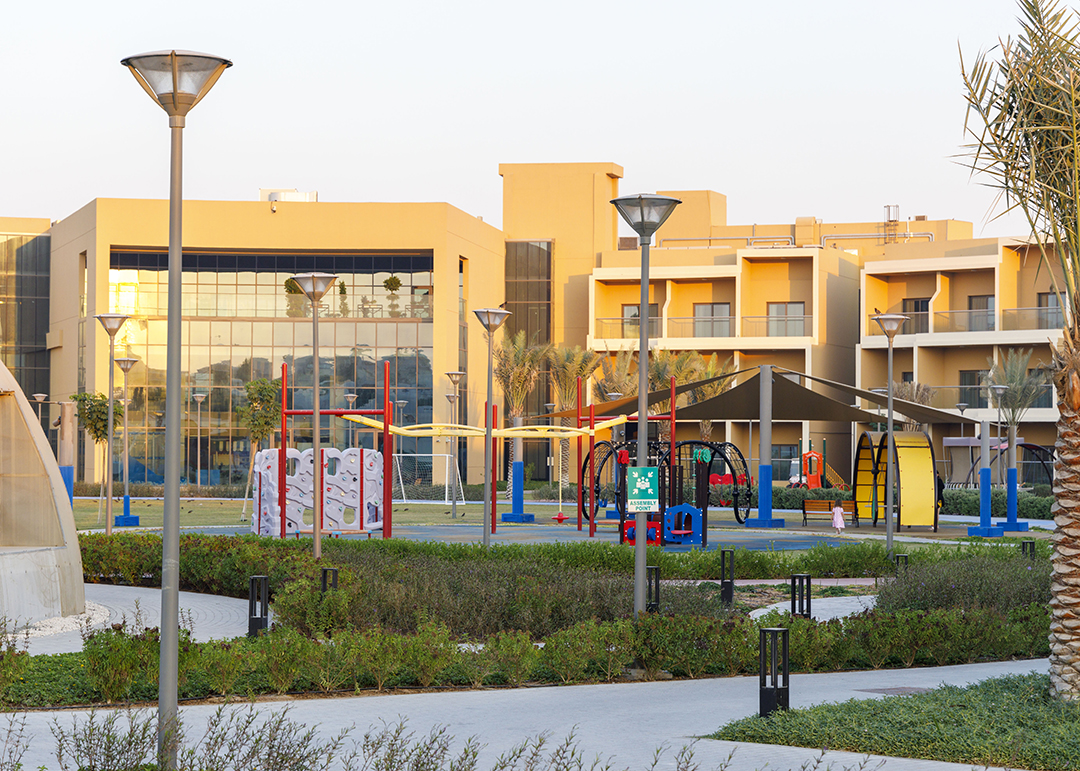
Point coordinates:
[[426, 477]]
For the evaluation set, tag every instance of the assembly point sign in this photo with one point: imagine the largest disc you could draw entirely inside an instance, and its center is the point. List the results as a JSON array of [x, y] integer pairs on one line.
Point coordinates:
[[642, 489]]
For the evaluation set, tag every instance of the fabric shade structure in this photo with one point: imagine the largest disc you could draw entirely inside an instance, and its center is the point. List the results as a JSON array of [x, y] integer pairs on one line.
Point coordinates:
[[628, 404]]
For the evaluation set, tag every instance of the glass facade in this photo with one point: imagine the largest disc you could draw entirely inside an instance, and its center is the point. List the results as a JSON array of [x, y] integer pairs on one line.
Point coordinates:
[[24, 311], [241, 322]]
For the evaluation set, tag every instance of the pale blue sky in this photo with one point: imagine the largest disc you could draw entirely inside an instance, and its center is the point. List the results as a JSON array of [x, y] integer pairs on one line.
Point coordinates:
[[790, 108]]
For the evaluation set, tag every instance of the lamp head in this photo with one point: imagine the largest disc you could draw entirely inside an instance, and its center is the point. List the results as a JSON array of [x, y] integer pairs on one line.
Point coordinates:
[[126, 363], [613, 395], [198, 398], [492, 318], [112, 322], [351, 399], [452, 398], [315, 285], [890, 323], [176, 80], [961, 406], [455, 377], [40, 397], [645, 212]]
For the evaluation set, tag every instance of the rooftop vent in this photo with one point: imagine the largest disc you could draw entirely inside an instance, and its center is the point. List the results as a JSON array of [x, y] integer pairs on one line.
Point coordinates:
[[287, 194]]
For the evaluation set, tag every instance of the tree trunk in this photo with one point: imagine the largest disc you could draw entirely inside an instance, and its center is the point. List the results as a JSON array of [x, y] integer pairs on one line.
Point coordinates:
[[247, 489], [705, 429], [101, 490], [1065, 580]]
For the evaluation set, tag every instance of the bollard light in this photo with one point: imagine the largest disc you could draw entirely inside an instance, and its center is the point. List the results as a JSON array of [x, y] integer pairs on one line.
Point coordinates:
[[727, 577], [774, 670], [652, 601], [258, 605], [800, 595]]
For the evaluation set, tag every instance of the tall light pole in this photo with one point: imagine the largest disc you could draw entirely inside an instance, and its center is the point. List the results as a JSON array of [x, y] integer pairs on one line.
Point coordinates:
[[961, 406], [125, 364], [492, 319], [351, 400], [645, 214], [176, 80], [112, 322], [314, 286], [198, 437], [999, 391], [452, 398], [455, 380], [40, 399], [890, 324]]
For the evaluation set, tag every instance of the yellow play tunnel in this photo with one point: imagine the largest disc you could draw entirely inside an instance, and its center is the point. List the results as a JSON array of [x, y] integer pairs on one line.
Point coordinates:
[[916, 488]]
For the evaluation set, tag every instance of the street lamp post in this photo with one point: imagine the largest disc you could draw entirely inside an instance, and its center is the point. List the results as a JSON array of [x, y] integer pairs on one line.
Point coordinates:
[[999, 391], [177, 81], [198, 437], [112, 322], [961, 406], [455, 380], [645, 214], [351, 400], [890, 324], [452, 398], [125, 364], [314, 286], [492, 319], [40, 399]]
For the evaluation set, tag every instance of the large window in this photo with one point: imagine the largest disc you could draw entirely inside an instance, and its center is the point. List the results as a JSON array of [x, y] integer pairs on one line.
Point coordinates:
[[972, 391], [712, 319], [24, 310], [786, 319], [631, 320], [1050, 316], [918, 311], [981, 313]]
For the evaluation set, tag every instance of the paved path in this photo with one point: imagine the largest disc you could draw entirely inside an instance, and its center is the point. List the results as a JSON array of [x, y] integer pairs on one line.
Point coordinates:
[[607, 719]]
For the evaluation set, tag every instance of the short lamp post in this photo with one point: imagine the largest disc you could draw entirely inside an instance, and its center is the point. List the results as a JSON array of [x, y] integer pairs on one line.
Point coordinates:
[[350, 399], [177, 81], [645, 214], [890, 324], [455, 380], [198, 437], [112, 322], [961, 406], [314, 286], [999, 390], [452, 398], [125, 364], [491, 319], [40, 399]]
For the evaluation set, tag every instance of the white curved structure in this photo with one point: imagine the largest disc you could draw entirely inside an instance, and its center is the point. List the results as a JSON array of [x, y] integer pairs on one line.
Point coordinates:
[[40, 564]]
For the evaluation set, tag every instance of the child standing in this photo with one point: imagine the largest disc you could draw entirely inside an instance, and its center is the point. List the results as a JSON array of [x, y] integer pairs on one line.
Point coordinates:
[[838, 518]]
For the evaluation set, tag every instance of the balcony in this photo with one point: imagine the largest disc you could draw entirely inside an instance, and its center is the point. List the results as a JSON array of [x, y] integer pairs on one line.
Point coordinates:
[[1032, 318], [701, 326], [917, 324], [776, 326], [628, 329], [964, 321], [977, 397]]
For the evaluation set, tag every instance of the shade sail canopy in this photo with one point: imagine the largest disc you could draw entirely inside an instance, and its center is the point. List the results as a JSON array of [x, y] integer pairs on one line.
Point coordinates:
[[791, 401]]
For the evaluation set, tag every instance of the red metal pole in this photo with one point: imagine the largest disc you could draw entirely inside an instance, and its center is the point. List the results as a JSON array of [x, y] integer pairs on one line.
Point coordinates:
[[671, 414], [284, 451], [494, 463], [592, 471], [388, 455], [577, 463]]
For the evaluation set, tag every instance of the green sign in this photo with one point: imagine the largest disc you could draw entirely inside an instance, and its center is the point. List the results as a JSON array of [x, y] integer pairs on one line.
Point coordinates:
[[642, 489]]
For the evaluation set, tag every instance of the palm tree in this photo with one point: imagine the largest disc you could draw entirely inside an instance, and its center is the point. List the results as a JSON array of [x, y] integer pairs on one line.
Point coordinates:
[[618, 376], [518, 362], [712, 368], [1025, 384], [1024, 116], [566, 365], [910, 391], [684, 366]]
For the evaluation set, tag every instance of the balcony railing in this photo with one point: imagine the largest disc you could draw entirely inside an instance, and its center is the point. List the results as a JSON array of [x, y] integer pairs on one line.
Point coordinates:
[[964, 321], [618, 328], [918, 323], [698, 326], [1032, 318], [977, 397], [776, 326]]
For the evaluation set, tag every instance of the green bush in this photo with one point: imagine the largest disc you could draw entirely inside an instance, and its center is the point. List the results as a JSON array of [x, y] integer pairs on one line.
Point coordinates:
[[1028, 505], [977, 582], [148, 490]]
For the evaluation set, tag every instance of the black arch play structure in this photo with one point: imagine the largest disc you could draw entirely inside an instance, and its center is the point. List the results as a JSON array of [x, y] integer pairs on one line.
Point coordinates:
[[723, 458]]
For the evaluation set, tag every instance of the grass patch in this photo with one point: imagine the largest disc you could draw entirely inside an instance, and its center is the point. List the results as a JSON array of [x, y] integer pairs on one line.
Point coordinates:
[[1009, 721]]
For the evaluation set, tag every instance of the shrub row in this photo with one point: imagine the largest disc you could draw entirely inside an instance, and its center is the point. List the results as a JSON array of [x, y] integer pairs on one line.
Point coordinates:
[[121, 663], [1028, 506], [148, 490], [980, 582]]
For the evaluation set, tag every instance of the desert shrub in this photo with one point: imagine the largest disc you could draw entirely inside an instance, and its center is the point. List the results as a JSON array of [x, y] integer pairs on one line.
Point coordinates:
[[976, 582], [514, 656]]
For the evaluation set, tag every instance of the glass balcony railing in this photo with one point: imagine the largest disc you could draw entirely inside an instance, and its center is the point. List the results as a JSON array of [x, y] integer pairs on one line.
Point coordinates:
[[698, 326], [620, 328], [776, 326], [1032, 318], [977, 397], [964, 321]]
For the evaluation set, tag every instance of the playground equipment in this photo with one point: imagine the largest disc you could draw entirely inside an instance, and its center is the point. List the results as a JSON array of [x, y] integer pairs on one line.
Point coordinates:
[[916, 497], [677, 522], [352, 491]]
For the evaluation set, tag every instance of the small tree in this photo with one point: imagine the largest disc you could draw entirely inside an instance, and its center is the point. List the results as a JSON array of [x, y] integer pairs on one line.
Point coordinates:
[[261, 415], [566, 365], [1025, 384], [712, 368], [92, 410], [343, 300], [910, 391], [618, 375]]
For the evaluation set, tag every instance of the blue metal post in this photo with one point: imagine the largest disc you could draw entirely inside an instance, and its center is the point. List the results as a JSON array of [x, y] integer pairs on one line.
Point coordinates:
[[985, 528]]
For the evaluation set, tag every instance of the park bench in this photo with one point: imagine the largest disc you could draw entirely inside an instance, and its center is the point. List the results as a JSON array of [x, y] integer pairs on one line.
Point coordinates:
[[812, 508], [850, 508]]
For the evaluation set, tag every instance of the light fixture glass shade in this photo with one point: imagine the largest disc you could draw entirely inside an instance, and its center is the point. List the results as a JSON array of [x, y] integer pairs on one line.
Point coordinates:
[[451, 398], [351, 399], [492, 318], [177, 80], [40, 397], [645, 212], [198, 397], [315, 285], [126, 363], [890, 322], [455, 377], [613, 395], [112, 322], [961, 406]]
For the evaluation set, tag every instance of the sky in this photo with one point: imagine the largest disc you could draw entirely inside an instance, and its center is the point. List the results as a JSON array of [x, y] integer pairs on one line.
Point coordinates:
[[830, 109]]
